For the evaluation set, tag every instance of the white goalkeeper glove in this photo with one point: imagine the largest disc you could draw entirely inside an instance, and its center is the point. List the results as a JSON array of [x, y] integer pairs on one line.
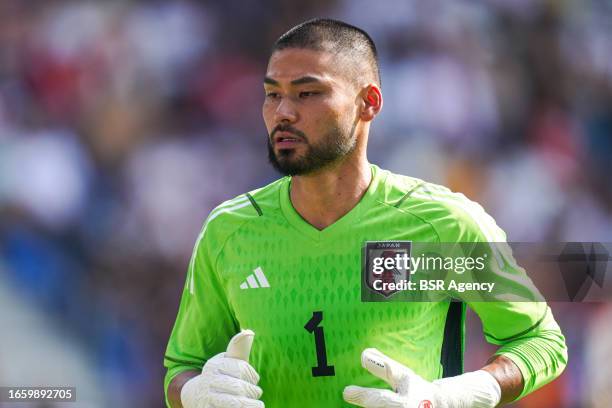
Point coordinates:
[[477, 389], [227, 380]]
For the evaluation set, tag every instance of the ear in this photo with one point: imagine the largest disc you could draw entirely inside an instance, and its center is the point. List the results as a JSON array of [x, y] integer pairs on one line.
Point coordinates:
[[372, 102]]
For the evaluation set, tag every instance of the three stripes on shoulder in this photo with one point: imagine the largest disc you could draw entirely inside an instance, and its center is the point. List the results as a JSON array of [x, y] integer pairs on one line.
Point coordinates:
[[255, 280]]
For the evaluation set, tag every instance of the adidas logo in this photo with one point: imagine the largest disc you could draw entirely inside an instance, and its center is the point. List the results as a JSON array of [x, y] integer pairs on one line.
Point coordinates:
[[255, 280]]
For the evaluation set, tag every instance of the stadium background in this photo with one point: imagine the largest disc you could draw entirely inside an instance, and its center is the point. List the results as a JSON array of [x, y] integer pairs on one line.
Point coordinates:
[[123, 123]]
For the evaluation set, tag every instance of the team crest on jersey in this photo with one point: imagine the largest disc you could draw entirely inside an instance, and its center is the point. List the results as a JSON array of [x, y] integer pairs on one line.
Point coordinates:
[[386, 265]]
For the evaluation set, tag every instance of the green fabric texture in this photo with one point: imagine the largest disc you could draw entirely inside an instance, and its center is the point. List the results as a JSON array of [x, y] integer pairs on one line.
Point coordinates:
[[306, 271]]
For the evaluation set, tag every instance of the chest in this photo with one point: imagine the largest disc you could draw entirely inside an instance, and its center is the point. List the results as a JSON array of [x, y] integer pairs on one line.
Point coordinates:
[[277, 278]]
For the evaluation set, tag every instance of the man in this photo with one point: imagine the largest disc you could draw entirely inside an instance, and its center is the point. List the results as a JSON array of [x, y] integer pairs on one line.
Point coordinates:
[[285, 262]]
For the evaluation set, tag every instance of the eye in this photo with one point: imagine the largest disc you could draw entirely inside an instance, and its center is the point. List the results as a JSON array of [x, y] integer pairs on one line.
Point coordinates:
[[306, 94], [271, 95]]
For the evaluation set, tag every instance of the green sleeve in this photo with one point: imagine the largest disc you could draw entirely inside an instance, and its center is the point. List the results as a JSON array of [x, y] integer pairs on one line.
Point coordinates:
[[526, 330], [539, 352], [205, 321]]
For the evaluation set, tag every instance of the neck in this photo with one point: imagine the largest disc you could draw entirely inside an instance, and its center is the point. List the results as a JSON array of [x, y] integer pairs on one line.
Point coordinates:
[[324, 197]]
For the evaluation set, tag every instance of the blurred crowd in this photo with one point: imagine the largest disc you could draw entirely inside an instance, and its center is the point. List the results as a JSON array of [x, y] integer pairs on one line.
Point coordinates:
[[123, 123]]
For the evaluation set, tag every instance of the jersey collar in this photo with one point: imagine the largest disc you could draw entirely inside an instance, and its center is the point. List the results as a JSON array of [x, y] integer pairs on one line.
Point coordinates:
[[352, 218]]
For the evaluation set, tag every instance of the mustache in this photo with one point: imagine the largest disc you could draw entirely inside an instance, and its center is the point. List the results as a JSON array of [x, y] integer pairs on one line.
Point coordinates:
[[289, 129]]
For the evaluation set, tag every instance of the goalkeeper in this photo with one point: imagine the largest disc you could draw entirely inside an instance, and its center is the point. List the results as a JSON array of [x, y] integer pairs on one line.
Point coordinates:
[[285, 262]]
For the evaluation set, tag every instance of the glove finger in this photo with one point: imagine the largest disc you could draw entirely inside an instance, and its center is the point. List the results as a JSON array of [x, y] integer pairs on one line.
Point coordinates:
[[238, 369], [371, 397], [219, 400], [240, 345], [234, 386], [395, 374]]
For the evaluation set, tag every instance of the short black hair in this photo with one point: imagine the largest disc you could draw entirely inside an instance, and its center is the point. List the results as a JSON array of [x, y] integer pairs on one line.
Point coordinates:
[[336, 37]]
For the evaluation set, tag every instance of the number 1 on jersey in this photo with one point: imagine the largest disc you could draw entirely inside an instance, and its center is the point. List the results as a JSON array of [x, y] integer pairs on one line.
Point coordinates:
[[322, 369]]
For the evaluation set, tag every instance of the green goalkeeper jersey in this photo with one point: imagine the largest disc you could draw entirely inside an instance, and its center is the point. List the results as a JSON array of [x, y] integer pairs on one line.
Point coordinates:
[[258, 265]]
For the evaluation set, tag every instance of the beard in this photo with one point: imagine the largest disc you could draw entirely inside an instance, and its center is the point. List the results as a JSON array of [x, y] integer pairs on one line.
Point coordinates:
[[333, 147]]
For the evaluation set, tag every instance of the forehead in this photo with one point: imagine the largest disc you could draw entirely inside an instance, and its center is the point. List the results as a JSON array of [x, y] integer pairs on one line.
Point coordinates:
[[293, 63]]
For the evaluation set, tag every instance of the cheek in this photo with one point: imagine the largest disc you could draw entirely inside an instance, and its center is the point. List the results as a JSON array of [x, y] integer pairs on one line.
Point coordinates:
[[343, 109], [342, 117], [267, 113], [331, 111]]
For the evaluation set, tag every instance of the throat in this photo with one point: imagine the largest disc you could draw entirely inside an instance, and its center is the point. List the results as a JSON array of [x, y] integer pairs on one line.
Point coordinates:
[[323, 201]]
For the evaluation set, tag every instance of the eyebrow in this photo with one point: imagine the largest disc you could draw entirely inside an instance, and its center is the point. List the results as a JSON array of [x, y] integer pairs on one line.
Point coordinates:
[[299, 81]]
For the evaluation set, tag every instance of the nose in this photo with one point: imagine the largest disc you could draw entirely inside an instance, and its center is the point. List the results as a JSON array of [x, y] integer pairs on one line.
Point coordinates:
[[285, 111]]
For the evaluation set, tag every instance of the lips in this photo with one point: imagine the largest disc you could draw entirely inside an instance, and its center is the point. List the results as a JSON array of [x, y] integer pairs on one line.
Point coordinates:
[[284, 140]]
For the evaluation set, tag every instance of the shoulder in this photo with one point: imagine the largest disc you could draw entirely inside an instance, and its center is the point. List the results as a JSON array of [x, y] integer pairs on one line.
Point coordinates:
[[230, 215], [452, 214]]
